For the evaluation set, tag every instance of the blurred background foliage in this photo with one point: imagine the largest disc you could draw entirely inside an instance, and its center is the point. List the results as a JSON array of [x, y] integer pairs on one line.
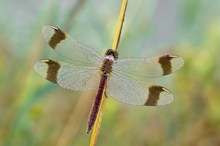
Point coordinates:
[[35, 112]]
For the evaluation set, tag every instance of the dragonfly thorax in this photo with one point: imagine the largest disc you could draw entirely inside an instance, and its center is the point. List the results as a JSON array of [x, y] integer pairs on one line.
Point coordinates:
[[110, 58], [107, 64]]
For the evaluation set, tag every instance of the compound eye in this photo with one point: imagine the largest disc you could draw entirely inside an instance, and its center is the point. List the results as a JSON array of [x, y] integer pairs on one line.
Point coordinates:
[[108, 52], [115, 55]]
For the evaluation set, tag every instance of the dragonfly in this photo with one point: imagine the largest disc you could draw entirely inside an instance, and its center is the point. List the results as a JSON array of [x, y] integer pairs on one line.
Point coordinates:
[[122, 79]]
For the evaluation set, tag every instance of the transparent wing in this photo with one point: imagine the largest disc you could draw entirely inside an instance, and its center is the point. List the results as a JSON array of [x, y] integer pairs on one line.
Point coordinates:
[[153, 67], [69, 76], [62, 43], [132, 92]]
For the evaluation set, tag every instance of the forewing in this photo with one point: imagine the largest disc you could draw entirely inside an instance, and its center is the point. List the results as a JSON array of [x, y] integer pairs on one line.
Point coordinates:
[[62, 43], [153, 67], [132, 92], [69, 76]]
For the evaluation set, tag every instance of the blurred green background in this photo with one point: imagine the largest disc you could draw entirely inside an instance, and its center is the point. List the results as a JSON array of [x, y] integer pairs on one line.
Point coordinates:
[[35, 112]]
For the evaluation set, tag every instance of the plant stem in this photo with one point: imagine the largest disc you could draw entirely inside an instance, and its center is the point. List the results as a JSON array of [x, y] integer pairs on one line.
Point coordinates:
[[114, 47]]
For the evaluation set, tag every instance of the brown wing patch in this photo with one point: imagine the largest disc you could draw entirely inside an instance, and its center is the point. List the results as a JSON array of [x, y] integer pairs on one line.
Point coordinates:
[[57, 37], [165, 62], [154, 95], [52, 71]]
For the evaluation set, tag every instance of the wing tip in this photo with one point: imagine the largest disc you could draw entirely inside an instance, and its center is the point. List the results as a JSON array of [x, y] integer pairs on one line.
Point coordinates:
[[48, 31], [159, 95], [53, 35], [49, 27], [47, 69], [176, 61], [40, 64], [39, 67], [166, 99], [180, 59]]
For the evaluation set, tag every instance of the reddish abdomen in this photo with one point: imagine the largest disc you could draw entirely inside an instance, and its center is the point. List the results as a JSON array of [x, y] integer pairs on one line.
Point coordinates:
[[96, 104]]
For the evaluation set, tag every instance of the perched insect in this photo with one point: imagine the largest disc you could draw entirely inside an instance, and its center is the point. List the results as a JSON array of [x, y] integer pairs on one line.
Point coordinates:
[[117, 78]]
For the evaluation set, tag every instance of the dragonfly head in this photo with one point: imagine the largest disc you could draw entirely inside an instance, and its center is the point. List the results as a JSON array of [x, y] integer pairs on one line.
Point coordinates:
[[113, 53]]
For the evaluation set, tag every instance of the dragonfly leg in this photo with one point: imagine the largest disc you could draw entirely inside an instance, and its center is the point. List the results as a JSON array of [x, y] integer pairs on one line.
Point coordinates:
[[105, 94], [105, 91]]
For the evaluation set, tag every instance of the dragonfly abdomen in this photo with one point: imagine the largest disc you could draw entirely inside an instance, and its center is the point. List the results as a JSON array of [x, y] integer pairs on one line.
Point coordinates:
[[96, 104]]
